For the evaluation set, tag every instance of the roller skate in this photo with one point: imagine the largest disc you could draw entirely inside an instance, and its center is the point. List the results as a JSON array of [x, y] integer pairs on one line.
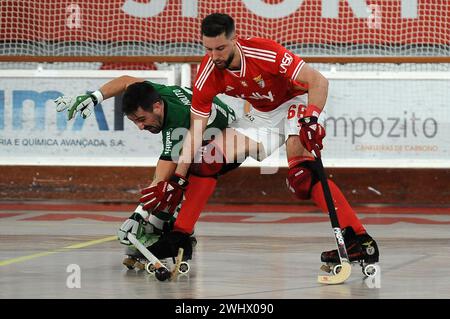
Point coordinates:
[[134, 259], [181, 263], [165, 249], [361, 249]]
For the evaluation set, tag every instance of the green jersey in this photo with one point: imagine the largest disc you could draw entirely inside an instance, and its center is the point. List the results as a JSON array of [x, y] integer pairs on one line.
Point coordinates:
[[177, 118]]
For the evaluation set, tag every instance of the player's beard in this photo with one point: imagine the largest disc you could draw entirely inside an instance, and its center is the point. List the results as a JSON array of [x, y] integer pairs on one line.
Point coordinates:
[[222, 65], [155, 128]]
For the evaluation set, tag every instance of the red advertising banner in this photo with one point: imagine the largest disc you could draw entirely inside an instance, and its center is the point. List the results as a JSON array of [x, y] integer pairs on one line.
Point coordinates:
[[376, 22]]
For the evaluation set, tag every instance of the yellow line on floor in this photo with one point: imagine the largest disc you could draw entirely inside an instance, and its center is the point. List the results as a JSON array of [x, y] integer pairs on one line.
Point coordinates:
[[25, 258], [92, 242], [64, 249]]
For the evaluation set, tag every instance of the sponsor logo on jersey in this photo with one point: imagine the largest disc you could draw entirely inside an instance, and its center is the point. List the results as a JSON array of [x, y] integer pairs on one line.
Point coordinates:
[[168, 146], [244, 84], [257, 96], [260, 81], [182, 97], [285, 62]]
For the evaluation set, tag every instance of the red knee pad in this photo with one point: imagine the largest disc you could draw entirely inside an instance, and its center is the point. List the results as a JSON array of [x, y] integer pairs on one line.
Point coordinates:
[[208, 161], [299, 181]]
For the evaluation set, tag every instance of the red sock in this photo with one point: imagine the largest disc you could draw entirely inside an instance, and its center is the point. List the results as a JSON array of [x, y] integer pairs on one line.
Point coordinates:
[[346, 214], [197, 195]]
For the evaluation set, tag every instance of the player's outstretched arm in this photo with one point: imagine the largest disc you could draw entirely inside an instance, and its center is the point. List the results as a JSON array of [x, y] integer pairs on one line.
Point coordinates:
[[163, 171], [192, 143], [317, 86], [84, 103], [311, 132], [118, 85]]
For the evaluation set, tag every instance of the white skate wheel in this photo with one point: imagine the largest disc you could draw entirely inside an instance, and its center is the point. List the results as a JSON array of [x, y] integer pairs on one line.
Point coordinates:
[[370, 270], [184, 268], [337, 269], [150, 268]]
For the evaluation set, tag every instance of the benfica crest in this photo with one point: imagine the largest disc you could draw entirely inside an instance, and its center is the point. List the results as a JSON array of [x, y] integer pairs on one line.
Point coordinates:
[[260, 81]]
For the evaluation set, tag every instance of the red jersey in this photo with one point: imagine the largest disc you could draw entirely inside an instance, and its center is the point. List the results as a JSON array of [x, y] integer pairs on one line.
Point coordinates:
[[266, 78]]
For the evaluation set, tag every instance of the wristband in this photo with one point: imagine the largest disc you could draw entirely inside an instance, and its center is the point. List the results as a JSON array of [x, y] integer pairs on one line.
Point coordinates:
[[141, 211], [180, 180], [98, 97], [312, 110]]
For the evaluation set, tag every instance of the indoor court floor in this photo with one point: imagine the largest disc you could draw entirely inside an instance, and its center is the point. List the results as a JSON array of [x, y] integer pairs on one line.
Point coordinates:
[[243, 252]]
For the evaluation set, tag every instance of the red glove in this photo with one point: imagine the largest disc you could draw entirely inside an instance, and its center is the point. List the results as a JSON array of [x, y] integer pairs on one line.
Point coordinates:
[[311, 132], [164, 194]]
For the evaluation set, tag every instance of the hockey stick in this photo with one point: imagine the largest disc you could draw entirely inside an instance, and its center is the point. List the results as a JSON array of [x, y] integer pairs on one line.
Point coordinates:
[[346, 269], [179, 259]]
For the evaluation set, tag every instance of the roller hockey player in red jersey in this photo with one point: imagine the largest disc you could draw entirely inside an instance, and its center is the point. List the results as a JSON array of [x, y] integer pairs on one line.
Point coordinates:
[[288, 97]]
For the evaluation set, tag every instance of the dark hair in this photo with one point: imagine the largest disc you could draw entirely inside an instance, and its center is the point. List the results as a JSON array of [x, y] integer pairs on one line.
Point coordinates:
[[139, 94], [217, 23]]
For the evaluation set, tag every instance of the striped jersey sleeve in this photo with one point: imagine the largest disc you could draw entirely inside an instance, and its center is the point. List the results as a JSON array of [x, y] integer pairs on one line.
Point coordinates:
[[204, 91], [286, 63]]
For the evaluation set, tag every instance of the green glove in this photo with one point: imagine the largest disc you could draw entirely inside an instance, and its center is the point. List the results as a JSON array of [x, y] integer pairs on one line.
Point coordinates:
[[82, 103]]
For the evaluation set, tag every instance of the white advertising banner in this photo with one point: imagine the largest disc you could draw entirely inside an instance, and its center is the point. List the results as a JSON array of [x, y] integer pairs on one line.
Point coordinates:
[[33, 133], [378, 120], [388, 120]]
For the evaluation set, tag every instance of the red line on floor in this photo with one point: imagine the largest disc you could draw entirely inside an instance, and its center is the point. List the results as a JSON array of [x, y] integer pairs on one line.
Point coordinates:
[[94, 207], [232, 218], [316, 219], [64, 216], [5, 215], [228, 208], [393, 220]]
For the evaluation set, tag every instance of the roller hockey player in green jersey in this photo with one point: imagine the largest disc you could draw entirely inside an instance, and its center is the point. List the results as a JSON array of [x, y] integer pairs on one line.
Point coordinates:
[[158, 108]]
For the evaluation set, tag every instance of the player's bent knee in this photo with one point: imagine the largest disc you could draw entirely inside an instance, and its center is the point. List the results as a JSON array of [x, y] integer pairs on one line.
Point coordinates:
[[206, 169], [208, 161], [300, 181], [212, 169]]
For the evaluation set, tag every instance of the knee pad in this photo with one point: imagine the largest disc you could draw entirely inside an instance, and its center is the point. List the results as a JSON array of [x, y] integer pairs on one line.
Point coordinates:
[[300, 180], [208, 161]]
